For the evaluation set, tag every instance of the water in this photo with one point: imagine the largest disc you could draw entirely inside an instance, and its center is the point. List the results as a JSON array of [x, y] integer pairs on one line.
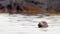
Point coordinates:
[[20, 24]]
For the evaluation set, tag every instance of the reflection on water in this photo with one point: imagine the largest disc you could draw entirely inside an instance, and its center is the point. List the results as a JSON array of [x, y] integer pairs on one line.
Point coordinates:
[[16, 24], [34, 20]]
